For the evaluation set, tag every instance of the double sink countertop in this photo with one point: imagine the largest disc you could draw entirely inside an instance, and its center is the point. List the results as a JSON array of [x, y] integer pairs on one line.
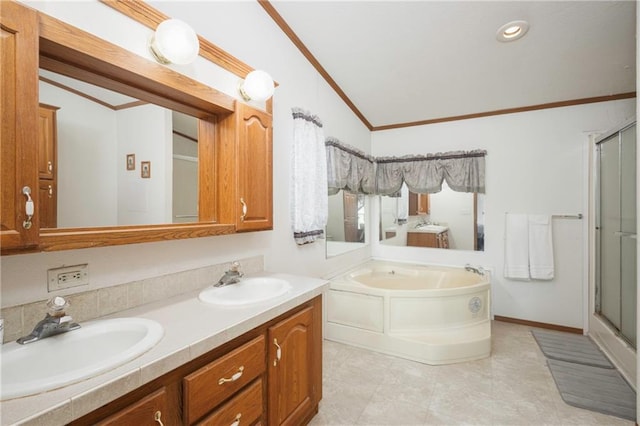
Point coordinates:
[[191, 329]]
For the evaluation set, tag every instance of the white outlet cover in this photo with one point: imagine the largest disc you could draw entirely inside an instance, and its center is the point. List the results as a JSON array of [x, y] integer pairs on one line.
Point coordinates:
[[54, 284]]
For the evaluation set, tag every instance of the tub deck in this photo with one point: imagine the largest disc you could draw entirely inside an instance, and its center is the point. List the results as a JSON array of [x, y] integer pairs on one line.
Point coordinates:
[[401, 313]]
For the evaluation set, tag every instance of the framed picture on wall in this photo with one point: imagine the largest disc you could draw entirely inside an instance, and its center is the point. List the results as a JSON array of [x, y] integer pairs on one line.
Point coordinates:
[[145, 169], [131, 161]]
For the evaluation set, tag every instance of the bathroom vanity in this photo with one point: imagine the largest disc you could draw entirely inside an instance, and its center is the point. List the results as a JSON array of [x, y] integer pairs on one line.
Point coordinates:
[[260, 363], [426, 238]]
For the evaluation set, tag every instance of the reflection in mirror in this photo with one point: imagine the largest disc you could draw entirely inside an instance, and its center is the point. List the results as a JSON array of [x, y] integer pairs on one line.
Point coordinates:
[[345, 224], [102, 139], [446, 219]]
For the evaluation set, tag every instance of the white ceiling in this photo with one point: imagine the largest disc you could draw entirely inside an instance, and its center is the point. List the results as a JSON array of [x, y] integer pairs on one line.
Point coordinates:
[[409, 61]]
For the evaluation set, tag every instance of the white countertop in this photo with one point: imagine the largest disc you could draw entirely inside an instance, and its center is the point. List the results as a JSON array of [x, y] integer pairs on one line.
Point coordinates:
[[191, 329], [428, 231]]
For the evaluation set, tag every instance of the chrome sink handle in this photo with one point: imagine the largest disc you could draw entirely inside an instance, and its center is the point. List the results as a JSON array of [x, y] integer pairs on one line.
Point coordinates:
[[55, 322], [232, 276]]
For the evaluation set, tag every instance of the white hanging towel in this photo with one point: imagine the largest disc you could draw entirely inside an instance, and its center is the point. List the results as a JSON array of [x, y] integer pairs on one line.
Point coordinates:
[[402, 206], [516, 250], [541, 265], [308, 187]]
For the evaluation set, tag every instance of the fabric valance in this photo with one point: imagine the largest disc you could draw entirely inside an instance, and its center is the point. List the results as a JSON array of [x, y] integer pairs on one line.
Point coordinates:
[[349, 168], [354, 171]]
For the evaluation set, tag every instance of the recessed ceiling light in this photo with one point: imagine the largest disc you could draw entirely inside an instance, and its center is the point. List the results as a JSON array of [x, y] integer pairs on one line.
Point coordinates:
[[512, 31]]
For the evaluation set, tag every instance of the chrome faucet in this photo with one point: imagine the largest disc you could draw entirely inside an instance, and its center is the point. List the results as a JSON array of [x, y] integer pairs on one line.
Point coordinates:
[[478, 270], [55, 322], [232, 276]]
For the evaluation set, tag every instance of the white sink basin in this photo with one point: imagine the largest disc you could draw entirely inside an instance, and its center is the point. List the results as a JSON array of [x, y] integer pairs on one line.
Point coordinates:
[[246, 292], [53, 362]]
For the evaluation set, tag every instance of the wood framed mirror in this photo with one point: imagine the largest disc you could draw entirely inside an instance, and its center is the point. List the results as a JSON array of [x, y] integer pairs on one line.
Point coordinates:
[[68, 51]]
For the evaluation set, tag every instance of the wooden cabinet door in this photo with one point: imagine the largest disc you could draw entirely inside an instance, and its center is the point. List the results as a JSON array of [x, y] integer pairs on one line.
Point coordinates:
[[19, 109], [255, 169], [47, 141], [292, 367], [423, 203], [19, 113], [48, 205], [418, 204], [421, 239]]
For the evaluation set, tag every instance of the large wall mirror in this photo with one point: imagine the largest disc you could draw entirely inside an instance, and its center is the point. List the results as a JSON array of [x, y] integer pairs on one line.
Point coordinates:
[[103, 139], [345, 223], [137, 162], [445, 220]]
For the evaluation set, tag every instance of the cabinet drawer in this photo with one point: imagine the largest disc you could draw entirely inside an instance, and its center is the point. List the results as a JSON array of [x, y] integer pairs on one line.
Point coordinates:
[[244, 408], [207, 387], [147, 411]]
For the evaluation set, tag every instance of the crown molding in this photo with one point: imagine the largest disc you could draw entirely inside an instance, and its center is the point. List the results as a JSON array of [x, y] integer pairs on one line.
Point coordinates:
[[549, 105]]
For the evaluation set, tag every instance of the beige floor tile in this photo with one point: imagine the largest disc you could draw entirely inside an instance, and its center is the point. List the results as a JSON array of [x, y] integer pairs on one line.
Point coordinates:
[[513, 387]]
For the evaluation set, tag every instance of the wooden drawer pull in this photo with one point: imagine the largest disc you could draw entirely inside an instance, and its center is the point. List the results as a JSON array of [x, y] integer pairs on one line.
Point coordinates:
[[236, 422], [157, 417], [233, 378]]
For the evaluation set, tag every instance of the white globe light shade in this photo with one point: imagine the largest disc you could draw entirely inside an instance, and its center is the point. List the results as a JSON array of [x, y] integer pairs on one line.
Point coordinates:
[[258, 86], [175, 42]]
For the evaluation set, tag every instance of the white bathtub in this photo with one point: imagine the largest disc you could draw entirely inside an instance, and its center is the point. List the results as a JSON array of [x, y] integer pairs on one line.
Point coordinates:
[[430, 314]]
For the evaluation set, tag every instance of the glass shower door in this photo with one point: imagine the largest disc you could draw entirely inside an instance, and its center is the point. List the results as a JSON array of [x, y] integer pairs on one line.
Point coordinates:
[[616, 241], [627, 235]]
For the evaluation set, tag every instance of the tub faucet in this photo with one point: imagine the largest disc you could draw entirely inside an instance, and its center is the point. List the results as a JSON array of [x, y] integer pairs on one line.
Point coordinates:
[[478, 270], [232, 276], [55, 322]]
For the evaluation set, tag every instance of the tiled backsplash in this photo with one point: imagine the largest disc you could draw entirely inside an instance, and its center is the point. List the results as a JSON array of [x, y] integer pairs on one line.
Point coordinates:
[[20, 320]]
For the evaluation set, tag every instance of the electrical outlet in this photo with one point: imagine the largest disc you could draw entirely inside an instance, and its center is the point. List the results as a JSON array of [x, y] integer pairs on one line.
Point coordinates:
[[67, 276]]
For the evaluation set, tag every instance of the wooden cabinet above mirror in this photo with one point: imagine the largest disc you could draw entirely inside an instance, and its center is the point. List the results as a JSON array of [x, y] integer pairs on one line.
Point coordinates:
[[68, 51]]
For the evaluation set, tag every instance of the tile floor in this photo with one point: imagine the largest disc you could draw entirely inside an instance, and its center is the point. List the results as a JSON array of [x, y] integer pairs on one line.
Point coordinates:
[[512, 387]]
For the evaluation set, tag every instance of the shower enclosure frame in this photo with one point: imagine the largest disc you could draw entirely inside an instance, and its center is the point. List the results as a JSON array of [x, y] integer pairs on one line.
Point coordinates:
[[601, 330]]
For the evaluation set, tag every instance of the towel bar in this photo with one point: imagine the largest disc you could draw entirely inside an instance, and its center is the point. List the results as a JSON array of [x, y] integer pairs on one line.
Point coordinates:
[[567, 216]]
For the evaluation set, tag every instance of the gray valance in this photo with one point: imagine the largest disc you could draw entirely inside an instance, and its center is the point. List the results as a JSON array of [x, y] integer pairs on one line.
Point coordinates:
[[349, 168], [354, 171]]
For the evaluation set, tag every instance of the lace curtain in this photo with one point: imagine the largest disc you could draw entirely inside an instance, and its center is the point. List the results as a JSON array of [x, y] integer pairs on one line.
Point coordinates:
[[309, 204], [354, 171]]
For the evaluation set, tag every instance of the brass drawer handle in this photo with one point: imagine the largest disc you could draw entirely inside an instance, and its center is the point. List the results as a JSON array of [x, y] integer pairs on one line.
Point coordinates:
[[233, 378], [236, 422], [157, 417], [244, 209], [278, 352]]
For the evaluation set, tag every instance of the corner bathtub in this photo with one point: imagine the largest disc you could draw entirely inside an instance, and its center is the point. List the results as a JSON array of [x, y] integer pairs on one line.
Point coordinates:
[[434, 315]]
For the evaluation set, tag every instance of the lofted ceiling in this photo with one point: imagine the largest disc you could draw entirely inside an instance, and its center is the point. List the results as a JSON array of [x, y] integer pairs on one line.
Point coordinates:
[[410, 62]]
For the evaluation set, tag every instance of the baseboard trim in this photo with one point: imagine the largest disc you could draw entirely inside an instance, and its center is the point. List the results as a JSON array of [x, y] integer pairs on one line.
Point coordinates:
[[539, 324]]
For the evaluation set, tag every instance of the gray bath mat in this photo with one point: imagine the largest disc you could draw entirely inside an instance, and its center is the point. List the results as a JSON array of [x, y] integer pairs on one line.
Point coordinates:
[[594, 388], [570, 347]]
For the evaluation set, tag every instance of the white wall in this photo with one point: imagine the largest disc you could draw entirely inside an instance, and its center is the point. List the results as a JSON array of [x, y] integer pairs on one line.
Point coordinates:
[[536, 163], [244, 30], [87, 148], [145, 131], [455, 210]]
